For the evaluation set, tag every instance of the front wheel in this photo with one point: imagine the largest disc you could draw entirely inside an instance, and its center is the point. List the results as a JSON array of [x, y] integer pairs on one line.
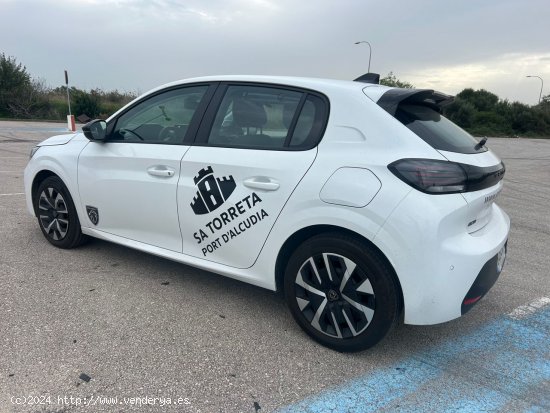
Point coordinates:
[[341, 293], [57, 215]]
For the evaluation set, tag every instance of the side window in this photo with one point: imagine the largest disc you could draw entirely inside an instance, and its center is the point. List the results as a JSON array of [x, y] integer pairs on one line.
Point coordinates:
[[163, 118], [264, 117], [254, 117]]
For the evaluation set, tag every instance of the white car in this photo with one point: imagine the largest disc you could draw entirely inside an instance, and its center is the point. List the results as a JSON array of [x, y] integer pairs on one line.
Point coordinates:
[[359, 201]]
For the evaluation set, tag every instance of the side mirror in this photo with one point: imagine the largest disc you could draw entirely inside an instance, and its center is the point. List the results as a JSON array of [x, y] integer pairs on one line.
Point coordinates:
[[95, 130]]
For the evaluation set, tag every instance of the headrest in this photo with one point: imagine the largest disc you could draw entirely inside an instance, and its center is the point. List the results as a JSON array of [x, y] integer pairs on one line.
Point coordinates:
[[248, 114]]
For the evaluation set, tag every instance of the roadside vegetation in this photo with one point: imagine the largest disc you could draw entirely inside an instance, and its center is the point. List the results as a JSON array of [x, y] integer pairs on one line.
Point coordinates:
[[483, 113], [24, 97], [480, 112]]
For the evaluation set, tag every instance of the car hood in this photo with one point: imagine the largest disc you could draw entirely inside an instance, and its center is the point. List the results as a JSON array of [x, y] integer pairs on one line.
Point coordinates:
[[58, 140]]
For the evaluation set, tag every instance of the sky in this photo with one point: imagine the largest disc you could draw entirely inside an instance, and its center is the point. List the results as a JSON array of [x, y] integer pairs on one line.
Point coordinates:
[[135, 45]]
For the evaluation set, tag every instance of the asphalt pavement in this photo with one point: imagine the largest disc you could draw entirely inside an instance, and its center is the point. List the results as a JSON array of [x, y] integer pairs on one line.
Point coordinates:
[[108, 328]]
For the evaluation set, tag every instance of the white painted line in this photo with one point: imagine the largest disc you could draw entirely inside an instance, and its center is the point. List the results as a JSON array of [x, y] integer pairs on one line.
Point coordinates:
[[525, 310], [15, 193]]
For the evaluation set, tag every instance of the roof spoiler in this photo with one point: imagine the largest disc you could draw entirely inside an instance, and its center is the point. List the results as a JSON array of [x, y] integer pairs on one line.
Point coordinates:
[[390, 100], [369, 78]]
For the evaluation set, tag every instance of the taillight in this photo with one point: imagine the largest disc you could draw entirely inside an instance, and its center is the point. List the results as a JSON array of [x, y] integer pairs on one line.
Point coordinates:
[[433, 176]]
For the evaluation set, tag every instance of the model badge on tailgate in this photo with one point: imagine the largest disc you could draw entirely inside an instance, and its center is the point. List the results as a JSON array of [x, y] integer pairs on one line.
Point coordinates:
[[490, 198]]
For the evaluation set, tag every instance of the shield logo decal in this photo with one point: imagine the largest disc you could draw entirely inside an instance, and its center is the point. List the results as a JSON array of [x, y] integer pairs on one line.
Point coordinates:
[[93, 214]]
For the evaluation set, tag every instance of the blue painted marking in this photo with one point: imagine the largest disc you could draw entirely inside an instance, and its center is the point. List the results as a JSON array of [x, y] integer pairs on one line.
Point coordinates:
[[537, 410], [357, 394], [502, 366]]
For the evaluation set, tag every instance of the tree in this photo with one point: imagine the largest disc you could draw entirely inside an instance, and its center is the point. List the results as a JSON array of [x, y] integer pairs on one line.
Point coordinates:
[[31, 101], [482, 113], [392, 80], [461, 112], [482, 100], [14, 83], [544, 104]]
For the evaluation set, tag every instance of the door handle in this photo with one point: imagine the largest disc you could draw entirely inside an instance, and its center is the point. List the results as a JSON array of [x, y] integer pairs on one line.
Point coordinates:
[[262, 182], [161, 170]]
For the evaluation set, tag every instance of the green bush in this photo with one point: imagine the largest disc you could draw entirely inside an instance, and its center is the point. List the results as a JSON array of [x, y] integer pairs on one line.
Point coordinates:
[[461, 112], [482, 100], [482, 113], [108, 108], [86, 103], [59, 108]]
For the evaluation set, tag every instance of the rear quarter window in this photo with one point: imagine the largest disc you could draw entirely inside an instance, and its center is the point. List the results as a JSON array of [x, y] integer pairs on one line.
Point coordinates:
[[436, 130]]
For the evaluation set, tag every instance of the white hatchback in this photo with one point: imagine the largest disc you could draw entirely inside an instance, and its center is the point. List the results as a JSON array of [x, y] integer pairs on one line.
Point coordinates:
[[359, 201]]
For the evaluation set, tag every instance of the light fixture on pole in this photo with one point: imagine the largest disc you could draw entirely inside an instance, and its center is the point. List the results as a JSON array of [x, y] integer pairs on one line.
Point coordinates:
[[370, 50], [541, 85]]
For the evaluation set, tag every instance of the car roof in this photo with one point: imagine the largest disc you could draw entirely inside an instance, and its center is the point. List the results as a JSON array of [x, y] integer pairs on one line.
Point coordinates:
[[330, 87], [319, 84]]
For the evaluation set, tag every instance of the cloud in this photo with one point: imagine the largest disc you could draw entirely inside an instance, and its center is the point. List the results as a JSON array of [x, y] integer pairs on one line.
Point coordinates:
[[504, 75], [138, 44], [213, 11]]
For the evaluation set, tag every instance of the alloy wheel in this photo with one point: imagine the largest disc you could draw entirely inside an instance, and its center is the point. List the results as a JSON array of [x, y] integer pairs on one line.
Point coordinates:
[[335, 295], [53, 213]]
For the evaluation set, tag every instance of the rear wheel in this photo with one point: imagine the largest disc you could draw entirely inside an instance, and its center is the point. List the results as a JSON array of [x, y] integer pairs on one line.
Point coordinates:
[[57, 215], [341, 293]]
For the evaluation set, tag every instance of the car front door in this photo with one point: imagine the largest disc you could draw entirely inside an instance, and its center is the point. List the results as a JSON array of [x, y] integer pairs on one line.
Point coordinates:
[[254, 146], [129, 183]]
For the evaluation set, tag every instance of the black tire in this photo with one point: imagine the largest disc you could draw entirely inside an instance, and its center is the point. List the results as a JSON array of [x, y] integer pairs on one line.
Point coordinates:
[[349, 308], [56, 214]]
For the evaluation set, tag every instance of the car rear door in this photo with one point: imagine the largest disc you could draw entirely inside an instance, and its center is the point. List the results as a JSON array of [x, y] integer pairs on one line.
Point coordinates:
[[129, 183], [253, 148]]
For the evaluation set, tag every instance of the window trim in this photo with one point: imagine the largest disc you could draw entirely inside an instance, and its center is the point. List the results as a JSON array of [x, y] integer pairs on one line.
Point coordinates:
[[203, 133], [294, 121], [194, 124]]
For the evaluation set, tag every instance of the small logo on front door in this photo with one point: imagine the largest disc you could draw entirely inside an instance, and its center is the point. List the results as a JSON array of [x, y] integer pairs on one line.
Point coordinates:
[[93, 214]]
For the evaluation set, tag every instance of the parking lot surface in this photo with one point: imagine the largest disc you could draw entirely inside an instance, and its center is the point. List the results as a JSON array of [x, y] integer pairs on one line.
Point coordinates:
[[107, 328]]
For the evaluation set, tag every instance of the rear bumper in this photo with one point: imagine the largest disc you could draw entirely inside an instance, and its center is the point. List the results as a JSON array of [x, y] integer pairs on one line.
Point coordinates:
[[485, 280], [444, 264]]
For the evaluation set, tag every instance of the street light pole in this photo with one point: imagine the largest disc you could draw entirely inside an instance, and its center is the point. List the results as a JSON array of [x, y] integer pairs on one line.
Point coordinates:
[[370, 50], [541, 85]]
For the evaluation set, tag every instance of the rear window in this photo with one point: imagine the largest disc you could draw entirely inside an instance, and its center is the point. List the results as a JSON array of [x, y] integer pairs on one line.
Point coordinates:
[[436, 130]]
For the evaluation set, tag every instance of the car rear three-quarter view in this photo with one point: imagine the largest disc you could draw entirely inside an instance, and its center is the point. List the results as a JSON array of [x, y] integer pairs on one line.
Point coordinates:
[[359, 201]]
